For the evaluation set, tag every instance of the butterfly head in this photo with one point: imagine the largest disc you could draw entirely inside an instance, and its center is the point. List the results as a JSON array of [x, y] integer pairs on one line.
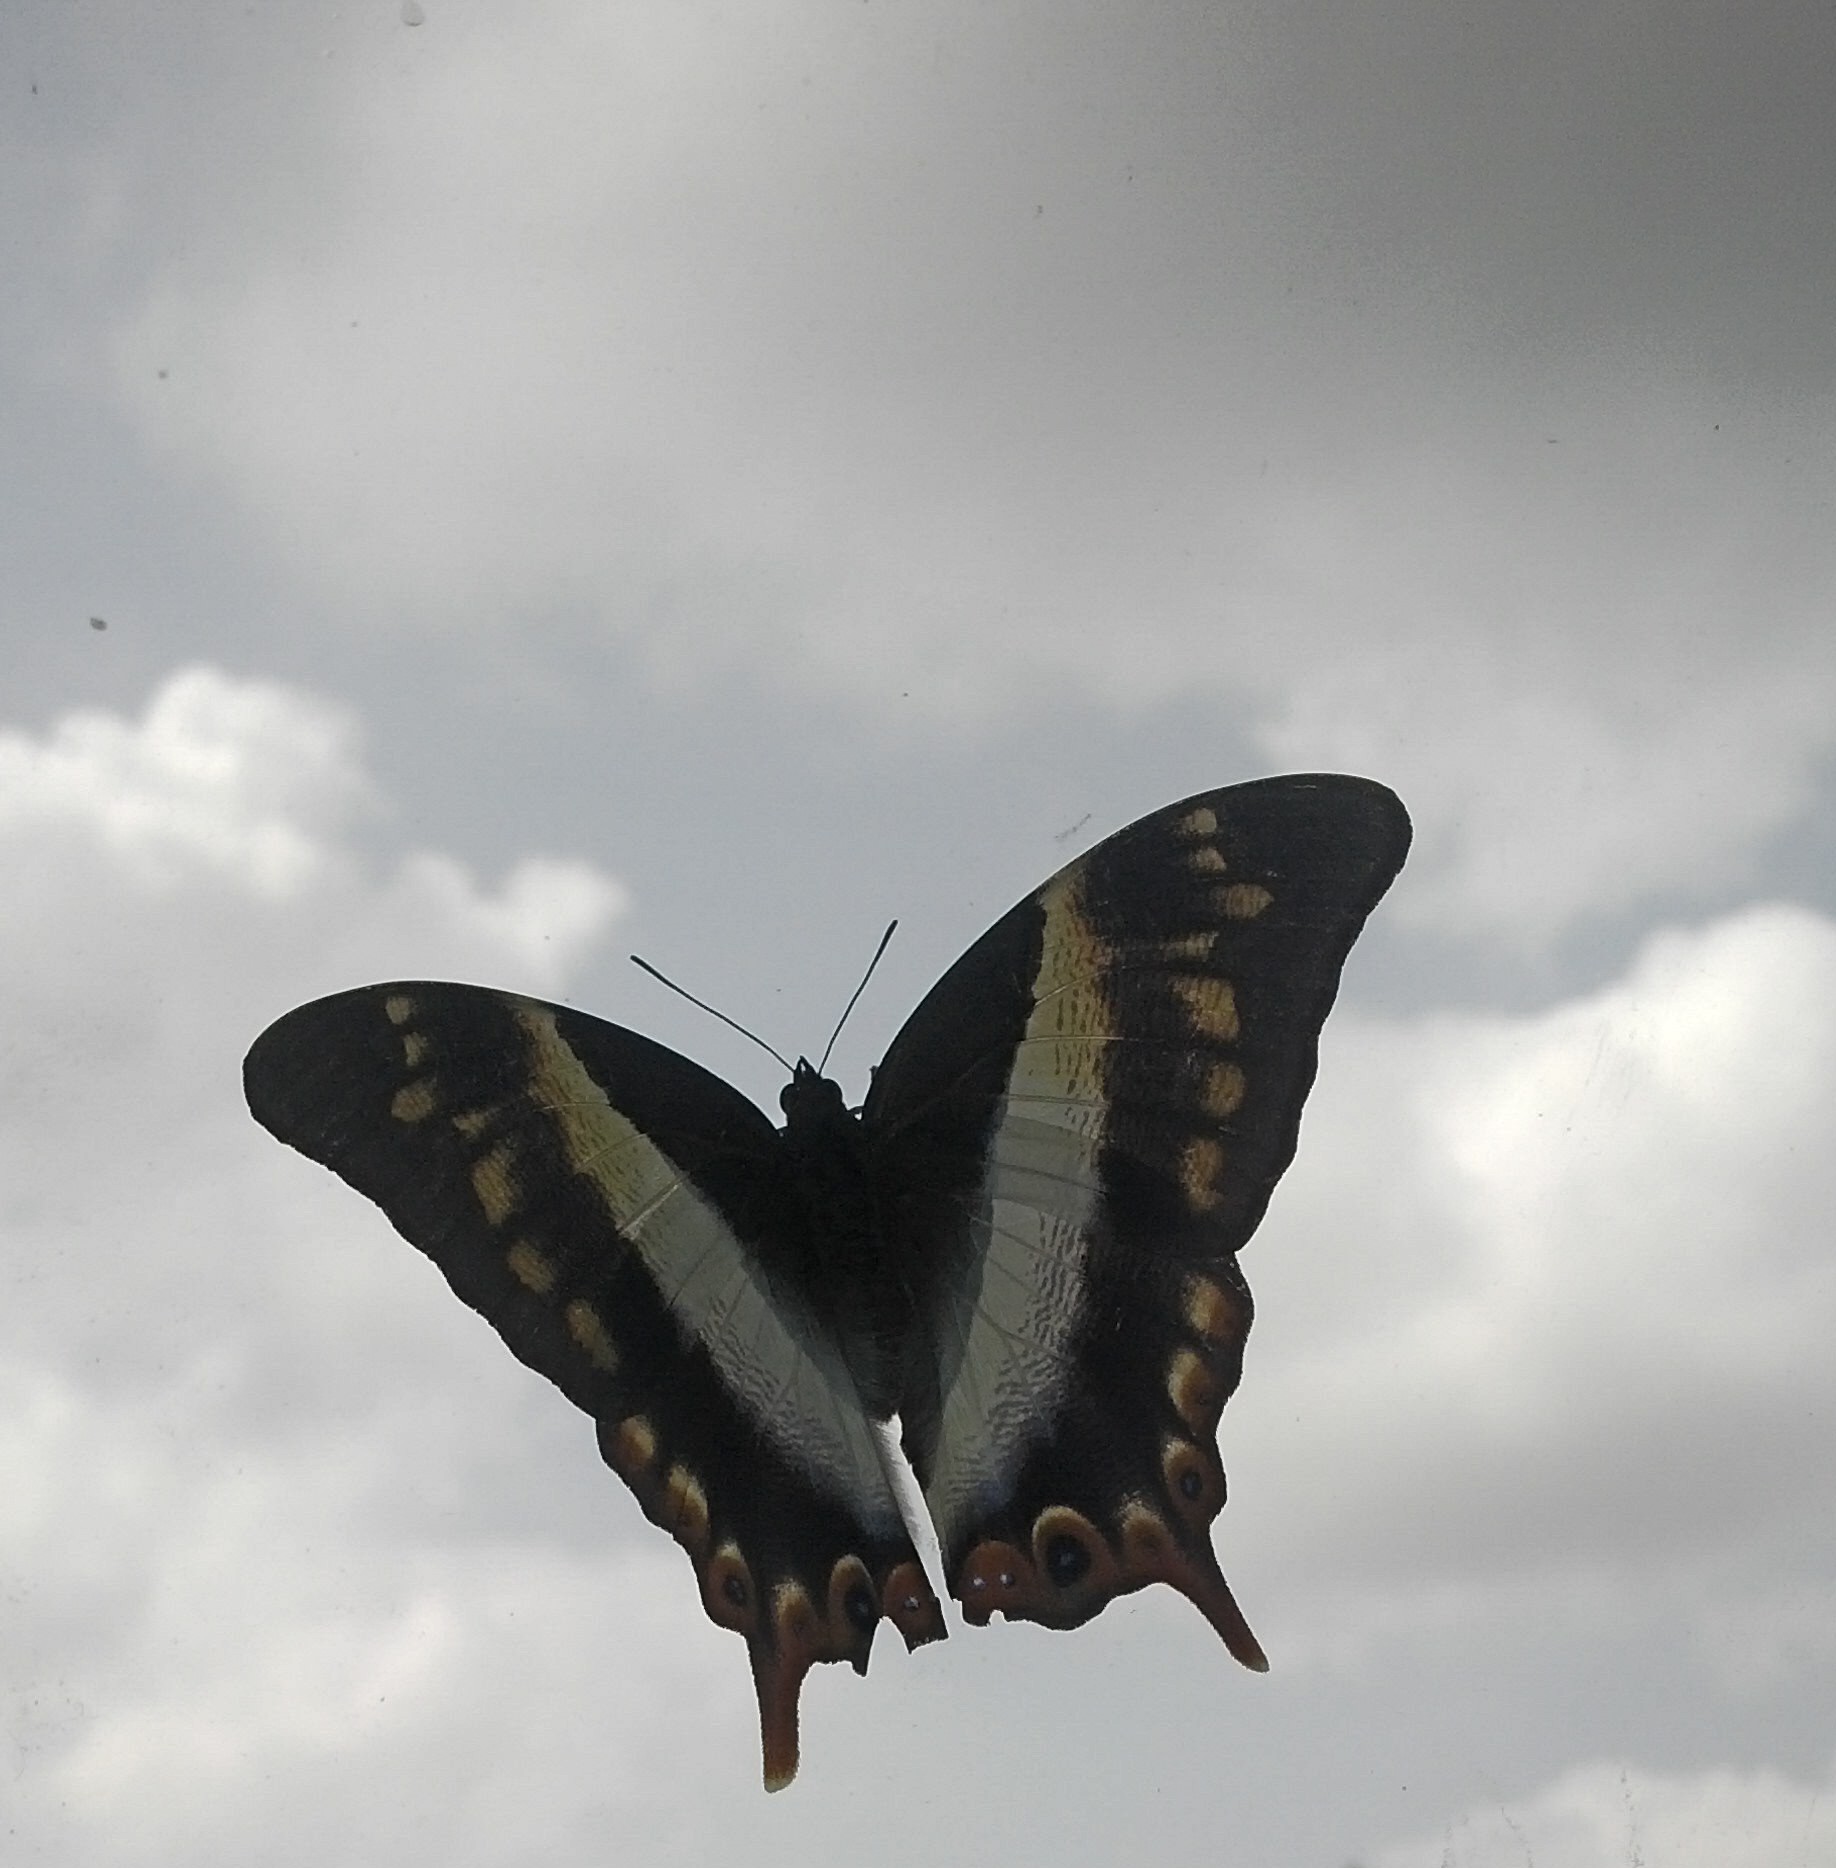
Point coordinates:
[[810, 1100]]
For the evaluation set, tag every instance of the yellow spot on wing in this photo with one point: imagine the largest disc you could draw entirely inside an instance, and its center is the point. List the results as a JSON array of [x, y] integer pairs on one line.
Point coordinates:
[[1206, 860], [686, 1505], [414, 1048], [472, 1123], [635, 1444], [1200, 823], [1177, 947], [1243, 901], [398, 1008], [531, 1267], [414, 1102], [1201, 1167], [1211, 1004], [495, 1184], [1193, 1390], [1211, 1310], [1224, 1089], [588, 1329]]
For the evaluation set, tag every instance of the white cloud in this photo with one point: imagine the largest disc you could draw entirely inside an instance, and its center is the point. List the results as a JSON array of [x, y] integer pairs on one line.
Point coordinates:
[[172, 884], [1618, 1816], [216, 1373], [239, 778], [1546, 1313], [248, 790]]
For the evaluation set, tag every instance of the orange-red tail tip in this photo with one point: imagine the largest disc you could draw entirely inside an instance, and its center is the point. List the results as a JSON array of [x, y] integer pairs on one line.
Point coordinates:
[[1194, 1572], [1219, 1607], [779, 1678]]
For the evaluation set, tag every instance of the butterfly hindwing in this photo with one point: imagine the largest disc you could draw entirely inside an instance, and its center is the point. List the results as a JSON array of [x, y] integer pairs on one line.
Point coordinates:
[[1074, 1135], [618, 1215]]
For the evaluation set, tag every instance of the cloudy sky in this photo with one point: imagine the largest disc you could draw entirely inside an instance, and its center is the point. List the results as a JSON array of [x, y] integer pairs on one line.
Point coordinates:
[[487, 487]]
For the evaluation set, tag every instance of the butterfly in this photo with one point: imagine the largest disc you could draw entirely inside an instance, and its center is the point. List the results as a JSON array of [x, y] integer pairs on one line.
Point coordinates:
[[1022, 1247]]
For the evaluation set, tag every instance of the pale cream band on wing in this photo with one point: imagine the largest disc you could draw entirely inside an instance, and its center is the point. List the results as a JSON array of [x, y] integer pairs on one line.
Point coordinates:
[[1006, 1343], [772, 1356]]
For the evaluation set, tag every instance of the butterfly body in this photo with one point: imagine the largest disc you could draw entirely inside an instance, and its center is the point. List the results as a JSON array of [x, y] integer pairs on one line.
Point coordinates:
[[1022, 1247], [831, 1213]]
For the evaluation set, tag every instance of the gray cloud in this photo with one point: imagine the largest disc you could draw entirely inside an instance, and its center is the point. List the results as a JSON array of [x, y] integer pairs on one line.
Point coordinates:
[[1358, 429], [824, 464], [1603, 1813]]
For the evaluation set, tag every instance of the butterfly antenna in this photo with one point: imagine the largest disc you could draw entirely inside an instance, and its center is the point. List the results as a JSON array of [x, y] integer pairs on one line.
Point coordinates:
[[861, 988], [724, 1019]]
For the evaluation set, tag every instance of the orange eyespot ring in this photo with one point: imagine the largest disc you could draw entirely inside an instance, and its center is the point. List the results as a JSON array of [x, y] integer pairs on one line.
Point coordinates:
[[727, 1591], [1075, 1564], [854, 1610], [1196, 1393], [1195, 1484]]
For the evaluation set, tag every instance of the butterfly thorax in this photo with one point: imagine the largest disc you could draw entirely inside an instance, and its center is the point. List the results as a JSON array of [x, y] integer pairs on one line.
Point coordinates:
[[826, 1173], [828, 1202]]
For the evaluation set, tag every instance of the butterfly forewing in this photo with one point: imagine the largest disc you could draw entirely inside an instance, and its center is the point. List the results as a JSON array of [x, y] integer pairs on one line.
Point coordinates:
[[617, 1214], [1076, 1132]]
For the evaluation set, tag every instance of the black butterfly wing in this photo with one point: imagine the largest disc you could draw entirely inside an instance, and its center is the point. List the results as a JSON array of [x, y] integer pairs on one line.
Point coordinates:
[[616, 1213], [1072, 1137]]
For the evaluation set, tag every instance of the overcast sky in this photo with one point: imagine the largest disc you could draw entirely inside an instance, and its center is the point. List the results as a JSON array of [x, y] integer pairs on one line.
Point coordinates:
[[486, 487]]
